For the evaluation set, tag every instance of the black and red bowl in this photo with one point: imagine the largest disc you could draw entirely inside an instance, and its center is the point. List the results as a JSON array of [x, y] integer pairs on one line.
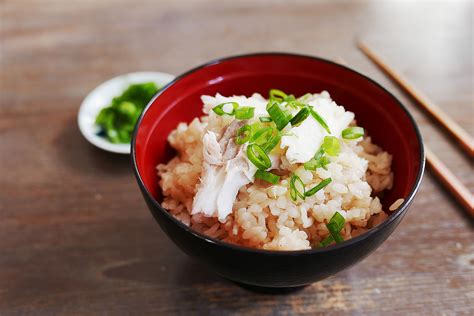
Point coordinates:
[[378, 111]]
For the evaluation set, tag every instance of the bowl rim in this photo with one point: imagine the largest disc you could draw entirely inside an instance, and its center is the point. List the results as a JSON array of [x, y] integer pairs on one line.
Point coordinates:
[[402, 209]]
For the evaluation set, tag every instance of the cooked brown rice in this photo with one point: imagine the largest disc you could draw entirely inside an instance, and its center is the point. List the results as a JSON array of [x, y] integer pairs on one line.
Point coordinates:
[[263, 216]]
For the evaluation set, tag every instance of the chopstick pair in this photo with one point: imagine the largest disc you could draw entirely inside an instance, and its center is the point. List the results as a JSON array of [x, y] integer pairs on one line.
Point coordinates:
[[447, 178]]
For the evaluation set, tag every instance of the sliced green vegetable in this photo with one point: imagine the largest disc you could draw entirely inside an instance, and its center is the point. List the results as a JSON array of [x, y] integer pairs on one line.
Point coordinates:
[[353, 132], [331, 146], [319, 119], [219, 109], [335, 225], [258, 157], [243, 134], [319, 161], [261, 135], [318, 187], [267, 176], [118, 120], [296, 188], [265, 119], [128, 109], [300, 117], [326, 241], [279, 117], [272, 143], [290, 98], [278, 95], [244, 112]]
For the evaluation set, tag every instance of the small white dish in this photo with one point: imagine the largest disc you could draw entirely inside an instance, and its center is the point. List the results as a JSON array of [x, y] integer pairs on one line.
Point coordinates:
[[101, 97]]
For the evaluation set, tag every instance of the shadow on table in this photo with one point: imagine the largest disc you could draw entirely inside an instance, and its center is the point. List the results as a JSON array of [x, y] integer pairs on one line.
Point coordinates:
[[80, 156], [154, 272], [185, 272]]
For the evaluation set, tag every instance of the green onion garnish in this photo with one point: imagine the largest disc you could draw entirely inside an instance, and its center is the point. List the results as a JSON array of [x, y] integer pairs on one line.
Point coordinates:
[[331, 145], [265, 119], [280, 118], [271, 143], [276, 94], [319, 119], [293, 104], [267, 176], [296, 188], [290, 98], [219, 109], [326, 241], [117, 120], [300, 117], [318, 187], [314, 164], [244, 112], [261, 135], [353, 132], [243, 134], [258, 157], [319, 161], [335, 225]]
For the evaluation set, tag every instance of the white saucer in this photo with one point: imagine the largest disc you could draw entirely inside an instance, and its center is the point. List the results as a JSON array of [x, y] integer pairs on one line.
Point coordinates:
[[101, 97]]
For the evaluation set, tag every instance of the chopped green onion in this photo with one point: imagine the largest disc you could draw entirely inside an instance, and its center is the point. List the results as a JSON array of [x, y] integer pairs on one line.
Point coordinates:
[[267, 176], [244, 112], [296, 188], [127, 109], [294, 104], [258, 157], [219, 109], [331, 145], [117, 120], [319, 161], [262, 135], [256, 126], [290, 98], [314, 164], [326, 241], [318, 187], [243, 134], [300, 117], [280, 118], [276, 94], [323, 162], [353, 132], [271, 143], [319, 119], [338, 220], [265, 119], [335, 225]]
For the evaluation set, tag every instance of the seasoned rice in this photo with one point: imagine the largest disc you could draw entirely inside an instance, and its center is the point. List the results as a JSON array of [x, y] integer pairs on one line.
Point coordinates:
[[263, 216]]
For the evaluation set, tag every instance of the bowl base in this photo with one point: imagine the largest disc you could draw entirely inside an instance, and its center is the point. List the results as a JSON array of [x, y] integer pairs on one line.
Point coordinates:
[[269, 290]]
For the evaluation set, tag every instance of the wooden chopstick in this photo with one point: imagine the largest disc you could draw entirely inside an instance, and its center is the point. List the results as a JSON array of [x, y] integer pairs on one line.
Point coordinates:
[[447, 178], [450, 181], [463, 138]]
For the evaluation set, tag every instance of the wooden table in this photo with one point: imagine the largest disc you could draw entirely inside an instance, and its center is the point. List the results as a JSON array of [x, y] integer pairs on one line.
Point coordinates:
[[75, 234]]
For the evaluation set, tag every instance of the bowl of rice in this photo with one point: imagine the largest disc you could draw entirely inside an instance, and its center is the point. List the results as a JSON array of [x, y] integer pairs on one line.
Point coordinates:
[[277, 170]]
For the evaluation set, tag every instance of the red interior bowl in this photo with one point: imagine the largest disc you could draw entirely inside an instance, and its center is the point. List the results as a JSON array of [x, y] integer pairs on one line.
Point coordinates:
[[384, 118]]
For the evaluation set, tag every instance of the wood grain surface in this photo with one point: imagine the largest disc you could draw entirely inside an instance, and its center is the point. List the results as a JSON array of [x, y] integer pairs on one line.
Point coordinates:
[[76, 238]]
